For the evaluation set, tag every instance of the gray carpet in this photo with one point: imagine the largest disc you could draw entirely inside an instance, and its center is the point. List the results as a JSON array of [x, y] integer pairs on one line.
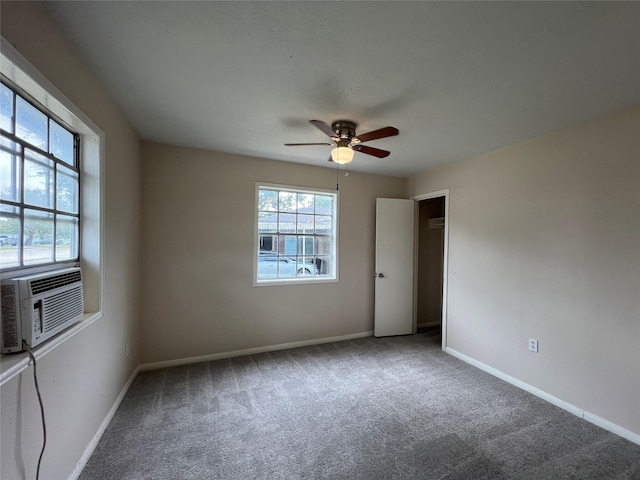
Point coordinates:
[[390, 408]]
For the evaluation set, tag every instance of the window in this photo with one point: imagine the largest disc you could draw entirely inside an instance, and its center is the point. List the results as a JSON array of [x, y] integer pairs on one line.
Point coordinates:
[[21, 77], [39, 185], [296, 235]]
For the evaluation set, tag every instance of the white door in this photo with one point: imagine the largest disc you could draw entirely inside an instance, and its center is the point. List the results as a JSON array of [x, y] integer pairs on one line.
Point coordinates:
[[394, 267]]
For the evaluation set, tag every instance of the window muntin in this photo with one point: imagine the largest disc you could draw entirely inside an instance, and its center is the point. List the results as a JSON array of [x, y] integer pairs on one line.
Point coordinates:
[[10, 178], [39, 186], [296, 235], [6, 108]]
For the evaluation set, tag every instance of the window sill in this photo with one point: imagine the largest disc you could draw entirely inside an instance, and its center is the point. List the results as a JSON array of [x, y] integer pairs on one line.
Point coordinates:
[[281, 281], [13, 364]]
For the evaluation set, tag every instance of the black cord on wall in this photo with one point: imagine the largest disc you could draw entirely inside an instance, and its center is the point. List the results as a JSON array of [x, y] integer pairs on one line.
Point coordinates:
[[44, 425]]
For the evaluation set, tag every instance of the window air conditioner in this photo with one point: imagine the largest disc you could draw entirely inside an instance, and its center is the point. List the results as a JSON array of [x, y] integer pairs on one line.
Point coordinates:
[[38, 307]]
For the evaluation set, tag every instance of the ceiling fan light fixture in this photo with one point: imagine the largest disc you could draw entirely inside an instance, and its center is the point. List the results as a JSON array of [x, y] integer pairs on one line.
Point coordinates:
[[343, 153]]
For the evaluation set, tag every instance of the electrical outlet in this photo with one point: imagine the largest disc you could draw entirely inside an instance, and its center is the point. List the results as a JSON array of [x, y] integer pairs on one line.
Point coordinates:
[[126, 349], [533, 345]]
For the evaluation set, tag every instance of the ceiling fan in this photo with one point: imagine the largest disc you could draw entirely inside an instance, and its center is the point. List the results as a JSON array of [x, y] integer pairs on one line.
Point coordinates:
[[343, 134]]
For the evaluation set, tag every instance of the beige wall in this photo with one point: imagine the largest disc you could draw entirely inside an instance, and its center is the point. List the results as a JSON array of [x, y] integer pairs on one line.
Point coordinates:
[[198, 221], [544, 243], [82, 378]]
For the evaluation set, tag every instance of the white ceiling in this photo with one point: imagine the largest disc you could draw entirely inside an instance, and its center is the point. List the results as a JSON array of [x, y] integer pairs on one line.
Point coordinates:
[[456, 78]]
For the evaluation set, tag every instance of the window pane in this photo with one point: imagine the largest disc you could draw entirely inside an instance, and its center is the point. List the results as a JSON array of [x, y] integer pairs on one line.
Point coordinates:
[[31, 124], [9, 171], [61, 144], [67, 186], [9, 236], [324, 225], [267, 266], [305, 224], [324, 205], [323, 245], [287, 245], [306, 266], [306, 202], [286, 222], [267, 222], [6, 108], [287, 201], [38, 237], [268, 243], [268, 200], [286, 267], [66, 237], [305, 245], [323, 265], [38, 180]]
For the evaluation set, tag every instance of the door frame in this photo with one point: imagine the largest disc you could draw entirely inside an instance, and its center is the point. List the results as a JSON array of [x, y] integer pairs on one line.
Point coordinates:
[[445, 267]]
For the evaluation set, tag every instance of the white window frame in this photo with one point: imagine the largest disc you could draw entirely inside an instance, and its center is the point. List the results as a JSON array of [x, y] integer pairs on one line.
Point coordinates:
[[21, 147], [304, 280], [21, 73]]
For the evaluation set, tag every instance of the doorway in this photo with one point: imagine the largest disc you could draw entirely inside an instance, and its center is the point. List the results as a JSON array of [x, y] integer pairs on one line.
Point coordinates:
[[431, 251]]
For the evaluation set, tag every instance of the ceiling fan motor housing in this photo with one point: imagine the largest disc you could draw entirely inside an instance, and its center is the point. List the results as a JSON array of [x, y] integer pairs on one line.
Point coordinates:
[[345, 129]]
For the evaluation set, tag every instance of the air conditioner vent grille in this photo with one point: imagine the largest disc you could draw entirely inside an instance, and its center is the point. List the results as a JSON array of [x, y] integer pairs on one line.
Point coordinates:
[[61, 307], [52, 282], [10, 334]]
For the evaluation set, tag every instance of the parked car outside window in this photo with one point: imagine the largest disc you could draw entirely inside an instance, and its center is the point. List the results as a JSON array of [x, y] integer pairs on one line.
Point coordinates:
[[6, 240], [272, 265]]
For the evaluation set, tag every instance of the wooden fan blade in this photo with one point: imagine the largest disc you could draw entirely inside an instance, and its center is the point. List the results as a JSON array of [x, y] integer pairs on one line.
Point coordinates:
[[323, 127], [304, 144], [376, 152], [380, 133]]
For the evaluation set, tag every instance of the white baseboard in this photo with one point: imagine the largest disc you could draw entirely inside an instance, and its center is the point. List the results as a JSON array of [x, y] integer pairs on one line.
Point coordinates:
[[590, 417], [612, 427], [103, 426], [250, 351]]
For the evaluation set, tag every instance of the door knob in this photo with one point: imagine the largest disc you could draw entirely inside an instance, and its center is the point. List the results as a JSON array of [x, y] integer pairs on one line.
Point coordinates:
[[379, 275]]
